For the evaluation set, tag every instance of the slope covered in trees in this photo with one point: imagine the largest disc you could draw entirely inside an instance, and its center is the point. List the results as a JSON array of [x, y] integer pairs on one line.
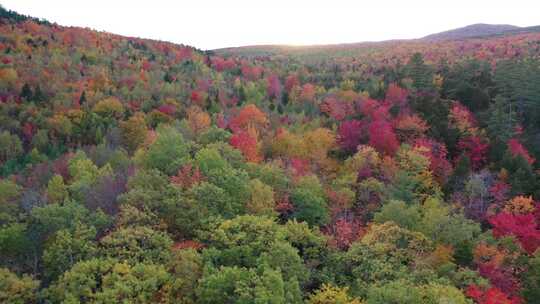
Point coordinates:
[[142, 171]]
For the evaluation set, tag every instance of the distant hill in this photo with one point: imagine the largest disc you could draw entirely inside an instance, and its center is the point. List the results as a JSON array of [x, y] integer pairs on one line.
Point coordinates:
[[473, 30]]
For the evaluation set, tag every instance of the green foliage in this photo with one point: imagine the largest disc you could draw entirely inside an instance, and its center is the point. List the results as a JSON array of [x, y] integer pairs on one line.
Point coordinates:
[[433, 219], [168, 153], [186, 267], [110, 281], [9, 194], [309, 202], [56, 190], [531, 280], [332, 295], [262, 198], [137, 245], [66, 248], [241, 285], [17, 290], [10, 146]]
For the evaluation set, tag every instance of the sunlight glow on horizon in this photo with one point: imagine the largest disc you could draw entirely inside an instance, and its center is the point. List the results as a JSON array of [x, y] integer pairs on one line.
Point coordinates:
[[208, 24]]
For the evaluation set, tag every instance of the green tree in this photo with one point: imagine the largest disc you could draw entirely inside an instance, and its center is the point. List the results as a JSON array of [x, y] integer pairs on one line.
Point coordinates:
[[10, 146], [186, 267], [56, 190], [262, 198], [531, 279], [329, 294], [9, 195], [17, 290], [67, 248], [502, 120], [309, 202], [110, 281], [419, 72], [168, 153], [137, 244]]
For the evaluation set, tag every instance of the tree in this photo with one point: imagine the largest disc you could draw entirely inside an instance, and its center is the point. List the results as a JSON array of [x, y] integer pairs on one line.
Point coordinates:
[[531, 280], [137, 245], [350, 134], [241, 285], [168, 153], [262, 198], [247, 144], [309, 202], [110, 281], [186, 266], [329, 294], [10, 146], [57, 191], [9, 195], [133, 132], [382, 137], [523, 227], [109, 108], [502, 120], [17, 290], [419, 72], [67, 248]]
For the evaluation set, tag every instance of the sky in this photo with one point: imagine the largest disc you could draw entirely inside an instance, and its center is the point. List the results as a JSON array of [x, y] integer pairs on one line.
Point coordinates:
[[211, 24]]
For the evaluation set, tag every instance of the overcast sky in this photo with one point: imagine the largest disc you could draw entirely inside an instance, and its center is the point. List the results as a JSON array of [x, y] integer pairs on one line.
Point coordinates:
[[209, 24]]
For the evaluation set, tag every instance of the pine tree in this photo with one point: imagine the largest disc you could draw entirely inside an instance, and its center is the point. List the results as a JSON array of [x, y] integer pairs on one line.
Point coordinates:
[[502, 120]]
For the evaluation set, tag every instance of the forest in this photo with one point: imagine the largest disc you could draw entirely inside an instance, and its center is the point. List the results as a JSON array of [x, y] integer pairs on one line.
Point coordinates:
[[142, 171]]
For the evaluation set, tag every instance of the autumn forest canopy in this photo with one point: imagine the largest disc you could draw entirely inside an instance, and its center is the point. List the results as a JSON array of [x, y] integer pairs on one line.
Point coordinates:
[[142, 171]]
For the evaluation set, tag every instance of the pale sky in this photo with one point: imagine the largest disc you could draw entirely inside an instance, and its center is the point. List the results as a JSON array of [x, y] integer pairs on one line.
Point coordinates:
[[209, 24]]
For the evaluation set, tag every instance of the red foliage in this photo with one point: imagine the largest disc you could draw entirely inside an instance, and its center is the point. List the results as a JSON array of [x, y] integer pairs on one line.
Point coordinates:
[[491, 296], [273, 86], [523, 226], [188, 244], [350, 134], [368, 106], [308, 92], [336, 108], [396, 95], [382, 137], [437, 153], [167, 109], [187, 176], [501, 277], [247, 144], [290, 82], [517, 149], [221, 64], [28, 130], [197, 97], [251, 73], [300, 166], [344, 232], [249, 117], [499, 191], [476, 148]]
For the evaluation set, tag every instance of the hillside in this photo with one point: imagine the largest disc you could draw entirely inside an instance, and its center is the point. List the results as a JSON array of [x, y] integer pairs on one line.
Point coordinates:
[[142, 171], [472, 31]]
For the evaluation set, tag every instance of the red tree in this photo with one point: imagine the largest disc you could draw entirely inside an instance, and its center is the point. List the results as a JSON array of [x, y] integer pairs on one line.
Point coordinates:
[[517, 149], [523, 226], [350, 135], [382, 137], [476, 148]]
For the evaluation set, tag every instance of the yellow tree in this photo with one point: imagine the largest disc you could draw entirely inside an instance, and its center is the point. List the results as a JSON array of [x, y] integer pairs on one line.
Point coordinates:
[[133, 131]]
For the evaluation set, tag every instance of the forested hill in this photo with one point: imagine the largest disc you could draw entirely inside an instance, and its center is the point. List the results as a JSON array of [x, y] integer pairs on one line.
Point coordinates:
[[142, 171], [473, 30]]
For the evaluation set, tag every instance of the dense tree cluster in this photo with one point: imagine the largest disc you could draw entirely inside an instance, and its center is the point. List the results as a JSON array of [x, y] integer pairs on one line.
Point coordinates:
[[139, 171]]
